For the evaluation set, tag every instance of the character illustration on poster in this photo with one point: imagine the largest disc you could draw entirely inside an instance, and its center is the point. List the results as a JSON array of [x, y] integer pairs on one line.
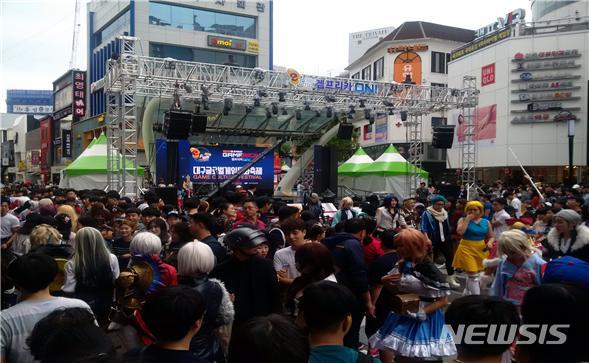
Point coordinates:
[[200, 154]]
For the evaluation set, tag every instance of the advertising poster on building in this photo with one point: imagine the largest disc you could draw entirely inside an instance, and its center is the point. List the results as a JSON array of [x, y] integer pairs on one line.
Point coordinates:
[[485, 120], [215, 164], [407, 64], [380, 129]]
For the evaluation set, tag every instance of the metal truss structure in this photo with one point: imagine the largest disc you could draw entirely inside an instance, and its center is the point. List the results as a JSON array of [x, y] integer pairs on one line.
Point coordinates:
[[131, 76], [469, 145], [414, 129]]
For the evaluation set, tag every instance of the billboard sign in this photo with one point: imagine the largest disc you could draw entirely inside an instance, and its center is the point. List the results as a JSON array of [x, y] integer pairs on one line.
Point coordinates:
[[480, 43], [488, 74], [215, 164], [66, 143], [79, 103], [407, 64]]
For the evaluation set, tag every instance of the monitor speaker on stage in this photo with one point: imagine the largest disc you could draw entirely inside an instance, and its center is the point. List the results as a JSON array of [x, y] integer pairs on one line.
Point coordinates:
[[177, 125], [345, 131], [199, 123]]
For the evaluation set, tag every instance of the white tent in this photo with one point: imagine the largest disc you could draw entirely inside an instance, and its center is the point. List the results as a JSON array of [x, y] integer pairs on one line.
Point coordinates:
[[351, 170], [88, 171], [389, 173]]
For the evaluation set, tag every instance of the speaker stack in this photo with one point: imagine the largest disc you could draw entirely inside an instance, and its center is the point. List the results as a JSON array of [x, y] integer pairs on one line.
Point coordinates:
[[324, 169], [345, 131], [177, 125], [443, 137]]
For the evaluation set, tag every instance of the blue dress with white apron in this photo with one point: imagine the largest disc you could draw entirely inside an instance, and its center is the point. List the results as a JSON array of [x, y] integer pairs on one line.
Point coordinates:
[[409, 336]]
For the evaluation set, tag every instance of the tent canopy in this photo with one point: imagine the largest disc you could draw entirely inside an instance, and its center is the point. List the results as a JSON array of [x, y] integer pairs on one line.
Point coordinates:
[[356, 164], [93, 160], [392, 163]]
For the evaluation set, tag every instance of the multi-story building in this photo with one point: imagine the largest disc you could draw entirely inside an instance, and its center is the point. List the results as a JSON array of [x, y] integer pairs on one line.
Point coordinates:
[[32, 102], [232, 32], [417, 49], [14, 147], [533, 82], [359, 42]]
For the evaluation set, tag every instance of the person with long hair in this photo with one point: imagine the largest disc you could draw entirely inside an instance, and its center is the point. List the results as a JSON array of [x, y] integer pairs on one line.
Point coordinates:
[[91, 272], [519, 269], [477, 240], [159, 227], [179, 236], [420, 334], [46, 239], [315, 263], [69, 211], [387, 216], [226, 215]]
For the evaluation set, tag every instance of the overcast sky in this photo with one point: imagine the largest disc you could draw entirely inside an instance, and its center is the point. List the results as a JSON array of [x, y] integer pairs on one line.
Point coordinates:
[[310, 35]]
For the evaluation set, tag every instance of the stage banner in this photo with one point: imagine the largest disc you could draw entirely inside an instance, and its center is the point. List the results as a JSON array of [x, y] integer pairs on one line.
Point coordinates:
[[215, 164], [381, 132]]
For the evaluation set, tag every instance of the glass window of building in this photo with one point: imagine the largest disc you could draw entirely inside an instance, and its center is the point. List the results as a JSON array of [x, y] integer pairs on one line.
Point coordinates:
[[367, 73], [202, 55], [356, 75], [440, 62], [439, 121], [119, 26], [183, 17], [379, 69]]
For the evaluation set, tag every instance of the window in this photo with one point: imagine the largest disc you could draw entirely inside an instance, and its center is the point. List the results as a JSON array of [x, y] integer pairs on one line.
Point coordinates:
[[379, 69], [368, 132], [182, 17], [439, 121], [367, 73], [440, 62], [356, 75], [201, 55], [119, 26]]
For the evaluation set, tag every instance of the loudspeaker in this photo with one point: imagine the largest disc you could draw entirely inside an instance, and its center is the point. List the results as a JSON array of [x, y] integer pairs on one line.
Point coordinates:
[[177, 125], [199, 123], [324, 168], [168, 195], [443, 137], [345, 131]]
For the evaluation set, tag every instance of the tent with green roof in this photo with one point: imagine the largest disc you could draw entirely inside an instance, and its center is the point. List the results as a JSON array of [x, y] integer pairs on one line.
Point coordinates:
[[389, 173], [356, 164], [88, 171], [349, 171]]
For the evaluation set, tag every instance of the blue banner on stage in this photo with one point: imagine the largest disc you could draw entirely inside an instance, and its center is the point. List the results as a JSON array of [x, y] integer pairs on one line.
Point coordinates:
[[215, 164]]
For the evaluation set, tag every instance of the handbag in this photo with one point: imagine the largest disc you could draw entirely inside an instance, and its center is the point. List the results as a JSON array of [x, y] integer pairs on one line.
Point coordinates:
[[405, 303]]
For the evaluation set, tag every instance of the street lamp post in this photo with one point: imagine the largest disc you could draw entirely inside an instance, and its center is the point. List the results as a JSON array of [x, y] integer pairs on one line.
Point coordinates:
[[571, 134]]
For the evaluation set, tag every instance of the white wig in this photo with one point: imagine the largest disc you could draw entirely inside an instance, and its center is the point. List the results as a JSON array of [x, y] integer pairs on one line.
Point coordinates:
[[195, 258], [146, 243]]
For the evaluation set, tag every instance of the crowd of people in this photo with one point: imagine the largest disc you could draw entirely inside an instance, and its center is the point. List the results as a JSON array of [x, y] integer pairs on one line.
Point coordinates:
[[92, 276]]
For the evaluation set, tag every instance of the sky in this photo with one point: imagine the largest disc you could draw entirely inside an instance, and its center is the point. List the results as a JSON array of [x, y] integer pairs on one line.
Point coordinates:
[[310, 36]]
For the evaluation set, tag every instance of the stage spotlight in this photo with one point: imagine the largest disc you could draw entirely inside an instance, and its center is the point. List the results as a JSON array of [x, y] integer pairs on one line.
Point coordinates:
[[371, 119], [330, 98], [248, 109], [391, 111], [257, 101], [281, 96], [268, 112], [329, 112], [187, 88], [228, 103], [298, 115], [362, 105], [317, 114], [307, 106], [367, 113], [352, 109], [274, 108], [284, 112], [262, 93], [403, 115]]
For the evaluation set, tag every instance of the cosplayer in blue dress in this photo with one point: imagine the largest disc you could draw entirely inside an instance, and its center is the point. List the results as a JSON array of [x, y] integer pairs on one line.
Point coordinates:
[[418, 335]]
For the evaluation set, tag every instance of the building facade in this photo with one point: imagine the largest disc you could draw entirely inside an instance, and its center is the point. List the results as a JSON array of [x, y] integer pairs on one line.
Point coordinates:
[[32, 102], [222, 32], [15, 145], [533, 82], [360, 42], [421, 51]]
